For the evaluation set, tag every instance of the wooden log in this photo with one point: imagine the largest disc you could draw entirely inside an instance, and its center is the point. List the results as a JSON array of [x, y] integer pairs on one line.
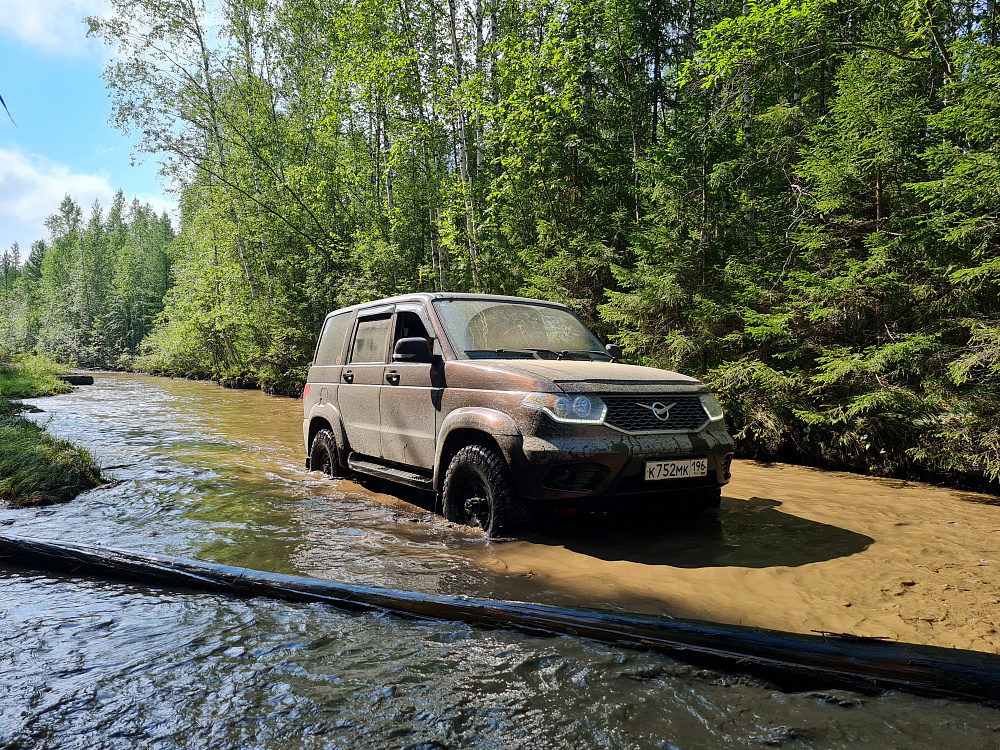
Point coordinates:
[[78, 379], [792, 661]]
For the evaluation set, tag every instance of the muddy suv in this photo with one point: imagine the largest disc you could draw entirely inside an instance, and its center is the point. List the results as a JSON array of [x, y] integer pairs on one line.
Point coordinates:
[[501, 405]]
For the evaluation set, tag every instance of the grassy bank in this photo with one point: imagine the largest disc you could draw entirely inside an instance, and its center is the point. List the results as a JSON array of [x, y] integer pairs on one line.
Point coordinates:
[[35, 468], [31, 377]]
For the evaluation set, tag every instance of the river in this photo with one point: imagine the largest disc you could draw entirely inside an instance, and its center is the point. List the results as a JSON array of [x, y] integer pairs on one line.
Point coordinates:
[[200, 471]]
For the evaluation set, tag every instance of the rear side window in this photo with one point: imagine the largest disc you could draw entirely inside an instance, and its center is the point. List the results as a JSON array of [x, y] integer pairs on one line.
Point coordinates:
[[371, 340], [331, 344]]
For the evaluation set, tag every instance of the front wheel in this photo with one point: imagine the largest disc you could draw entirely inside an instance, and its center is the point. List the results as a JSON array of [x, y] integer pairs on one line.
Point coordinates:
[[323, 454], [479, 492], [702, 501]]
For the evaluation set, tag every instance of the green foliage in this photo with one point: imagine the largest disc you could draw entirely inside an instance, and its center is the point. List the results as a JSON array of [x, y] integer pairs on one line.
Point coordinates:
[[92, 292], [30, 377], [794, 199]]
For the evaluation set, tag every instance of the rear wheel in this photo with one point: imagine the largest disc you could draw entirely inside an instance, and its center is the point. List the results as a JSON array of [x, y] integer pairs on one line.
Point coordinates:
[[323, 455], [479, 492]]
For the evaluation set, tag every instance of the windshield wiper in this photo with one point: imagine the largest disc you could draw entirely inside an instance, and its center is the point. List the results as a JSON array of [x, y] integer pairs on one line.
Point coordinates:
[[525, 350], [588, 352]]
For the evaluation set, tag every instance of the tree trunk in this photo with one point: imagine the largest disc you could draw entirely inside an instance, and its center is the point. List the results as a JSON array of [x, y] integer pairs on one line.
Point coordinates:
[[793, 661], [463, 154], [217, 133]]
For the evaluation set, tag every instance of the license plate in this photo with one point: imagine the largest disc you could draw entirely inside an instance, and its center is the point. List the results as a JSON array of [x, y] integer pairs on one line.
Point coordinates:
[[679, 469]]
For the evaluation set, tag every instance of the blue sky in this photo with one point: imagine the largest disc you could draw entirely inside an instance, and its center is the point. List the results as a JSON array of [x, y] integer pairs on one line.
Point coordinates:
[[50, 78]]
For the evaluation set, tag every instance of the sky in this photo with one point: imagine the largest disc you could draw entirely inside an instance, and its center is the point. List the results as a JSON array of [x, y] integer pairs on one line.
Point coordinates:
[[50, 79]]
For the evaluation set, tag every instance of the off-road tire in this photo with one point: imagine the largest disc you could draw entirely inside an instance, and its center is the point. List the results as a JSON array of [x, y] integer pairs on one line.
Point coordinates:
[[479, 492], [681, 507], [323, 454], [702, 501]]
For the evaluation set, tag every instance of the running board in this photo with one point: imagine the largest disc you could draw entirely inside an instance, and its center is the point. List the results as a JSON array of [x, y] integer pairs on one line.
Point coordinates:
[[387, 472]]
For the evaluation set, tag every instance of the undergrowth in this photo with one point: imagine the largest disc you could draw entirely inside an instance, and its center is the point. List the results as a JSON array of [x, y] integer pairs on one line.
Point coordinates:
[[31, 377]]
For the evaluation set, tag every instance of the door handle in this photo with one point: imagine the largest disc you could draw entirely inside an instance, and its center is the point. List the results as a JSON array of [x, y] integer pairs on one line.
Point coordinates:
[[393, 377], [348, 376]]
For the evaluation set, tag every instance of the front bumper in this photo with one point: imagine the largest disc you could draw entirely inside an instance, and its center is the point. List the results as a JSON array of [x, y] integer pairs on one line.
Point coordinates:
[[607, 470]]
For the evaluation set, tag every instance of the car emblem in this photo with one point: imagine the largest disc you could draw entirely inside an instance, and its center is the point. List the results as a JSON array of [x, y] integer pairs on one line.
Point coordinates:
[[660, 410]]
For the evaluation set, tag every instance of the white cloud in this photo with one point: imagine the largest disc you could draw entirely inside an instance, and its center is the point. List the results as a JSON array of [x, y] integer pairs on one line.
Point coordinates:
[[159, 204], [32, 187], [53, 26]]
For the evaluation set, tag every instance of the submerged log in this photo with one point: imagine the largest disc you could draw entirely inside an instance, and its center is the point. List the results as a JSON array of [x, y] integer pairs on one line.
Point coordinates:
[[78, 379], [792, 661]]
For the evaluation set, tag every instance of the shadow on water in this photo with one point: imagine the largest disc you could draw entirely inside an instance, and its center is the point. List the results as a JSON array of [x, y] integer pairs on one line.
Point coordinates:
[[745, 533]]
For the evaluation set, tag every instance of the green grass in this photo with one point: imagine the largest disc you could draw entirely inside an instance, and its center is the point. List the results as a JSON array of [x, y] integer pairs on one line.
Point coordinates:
[[31, 377], [35, 468]]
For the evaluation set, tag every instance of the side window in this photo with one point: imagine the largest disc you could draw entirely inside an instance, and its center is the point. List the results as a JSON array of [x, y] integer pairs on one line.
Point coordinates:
[[331, 344], [371, 339], [408, 325]]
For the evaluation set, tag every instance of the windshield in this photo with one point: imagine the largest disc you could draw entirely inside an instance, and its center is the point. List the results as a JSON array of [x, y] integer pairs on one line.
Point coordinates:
[[486, 328]]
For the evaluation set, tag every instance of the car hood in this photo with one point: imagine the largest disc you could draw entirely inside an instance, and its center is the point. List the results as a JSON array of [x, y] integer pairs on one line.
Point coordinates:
[[575, 376]]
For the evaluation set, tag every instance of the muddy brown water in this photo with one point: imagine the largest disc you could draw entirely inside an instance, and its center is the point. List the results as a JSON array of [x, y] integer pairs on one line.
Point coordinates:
[[218, 474]]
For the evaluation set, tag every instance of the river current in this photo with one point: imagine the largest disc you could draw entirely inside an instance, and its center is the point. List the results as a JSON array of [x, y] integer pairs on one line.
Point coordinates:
[[200, 471]]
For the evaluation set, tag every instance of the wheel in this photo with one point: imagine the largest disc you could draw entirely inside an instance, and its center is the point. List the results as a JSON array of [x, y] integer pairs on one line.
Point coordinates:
[[479, 492], [708, 499], [679, 508], [701, 501], [323, 455]]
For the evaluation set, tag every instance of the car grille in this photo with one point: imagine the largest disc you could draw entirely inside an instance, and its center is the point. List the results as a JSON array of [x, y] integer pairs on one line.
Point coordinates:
[[635, 413]]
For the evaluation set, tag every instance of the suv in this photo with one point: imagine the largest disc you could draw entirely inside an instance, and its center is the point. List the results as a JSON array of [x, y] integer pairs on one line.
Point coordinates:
[[502, 405]]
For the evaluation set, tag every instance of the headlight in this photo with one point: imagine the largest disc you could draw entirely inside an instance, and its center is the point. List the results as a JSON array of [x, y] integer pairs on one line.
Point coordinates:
[[568, 408], [712, 407]]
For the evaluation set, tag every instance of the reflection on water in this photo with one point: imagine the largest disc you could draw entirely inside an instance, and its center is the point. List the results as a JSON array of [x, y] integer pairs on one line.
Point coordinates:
[[216, 474]]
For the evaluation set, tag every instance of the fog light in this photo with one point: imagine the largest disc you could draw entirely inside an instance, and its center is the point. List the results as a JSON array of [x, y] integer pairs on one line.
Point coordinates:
[[575, 477], [563, 475]]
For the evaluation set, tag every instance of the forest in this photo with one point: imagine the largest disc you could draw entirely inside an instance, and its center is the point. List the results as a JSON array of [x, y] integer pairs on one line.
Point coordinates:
[[796, 200]]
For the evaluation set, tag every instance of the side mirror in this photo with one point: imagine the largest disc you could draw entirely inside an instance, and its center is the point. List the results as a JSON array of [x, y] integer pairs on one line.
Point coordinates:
[[415, 349], [614, 350]]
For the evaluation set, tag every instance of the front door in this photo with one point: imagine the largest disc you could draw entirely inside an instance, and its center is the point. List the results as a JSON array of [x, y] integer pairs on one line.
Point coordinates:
[[361, 380], [411, 397]]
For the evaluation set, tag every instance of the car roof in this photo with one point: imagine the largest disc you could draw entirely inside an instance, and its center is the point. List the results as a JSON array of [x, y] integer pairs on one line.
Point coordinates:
[[429, 296]]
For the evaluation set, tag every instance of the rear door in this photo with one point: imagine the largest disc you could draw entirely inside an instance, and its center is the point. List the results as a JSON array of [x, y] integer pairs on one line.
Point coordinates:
[[361, 380], [324, 375]]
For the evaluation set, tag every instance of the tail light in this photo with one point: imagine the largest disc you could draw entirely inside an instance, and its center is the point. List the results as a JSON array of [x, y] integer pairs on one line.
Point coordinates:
[[305, 391]]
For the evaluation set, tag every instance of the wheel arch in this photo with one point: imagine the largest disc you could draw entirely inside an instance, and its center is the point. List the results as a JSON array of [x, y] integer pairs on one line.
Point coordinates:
[[475, 426], [323, 422]]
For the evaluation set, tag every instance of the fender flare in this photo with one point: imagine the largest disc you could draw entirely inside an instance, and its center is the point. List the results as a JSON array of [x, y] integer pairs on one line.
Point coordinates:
[[330, 414], [498, 425]]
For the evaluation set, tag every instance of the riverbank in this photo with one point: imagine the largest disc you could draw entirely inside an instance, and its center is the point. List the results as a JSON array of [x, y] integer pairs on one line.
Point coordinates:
[[35, 468], [788, 448], [271, 380]]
